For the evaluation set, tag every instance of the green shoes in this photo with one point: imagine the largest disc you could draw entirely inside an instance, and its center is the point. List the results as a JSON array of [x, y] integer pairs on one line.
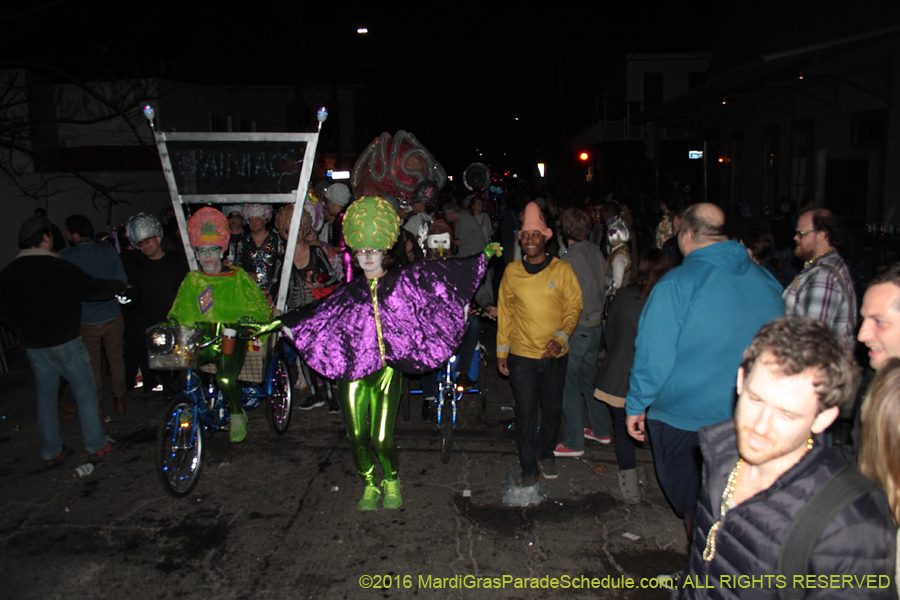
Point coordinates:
[[392, 497], [369, 499], [238, 427]]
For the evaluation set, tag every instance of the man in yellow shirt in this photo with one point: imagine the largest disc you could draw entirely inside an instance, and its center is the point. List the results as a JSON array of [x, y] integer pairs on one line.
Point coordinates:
[[539, 306]]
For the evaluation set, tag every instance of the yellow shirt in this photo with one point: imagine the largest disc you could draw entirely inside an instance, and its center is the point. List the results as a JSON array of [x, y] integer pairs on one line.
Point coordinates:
[[534, 309]]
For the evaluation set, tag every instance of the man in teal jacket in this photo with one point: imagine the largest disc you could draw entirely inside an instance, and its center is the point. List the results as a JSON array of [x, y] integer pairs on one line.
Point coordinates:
[[692, 334]]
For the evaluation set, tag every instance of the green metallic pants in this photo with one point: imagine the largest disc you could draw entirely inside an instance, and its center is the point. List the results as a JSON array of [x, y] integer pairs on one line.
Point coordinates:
[[228, 368], [380, 393]]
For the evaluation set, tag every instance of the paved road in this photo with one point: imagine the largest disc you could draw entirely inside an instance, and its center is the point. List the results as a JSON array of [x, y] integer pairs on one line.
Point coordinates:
[[275, 517]]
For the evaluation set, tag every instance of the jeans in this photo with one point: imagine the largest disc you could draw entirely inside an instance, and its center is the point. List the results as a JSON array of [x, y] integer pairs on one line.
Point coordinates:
[[583, 349], [69, 360], [107, 336], [537, 382], [676, 455]]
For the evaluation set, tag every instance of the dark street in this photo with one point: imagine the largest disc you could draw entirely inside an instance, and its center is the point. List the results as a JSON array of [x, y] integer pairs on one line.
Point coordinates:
[[276, 517]]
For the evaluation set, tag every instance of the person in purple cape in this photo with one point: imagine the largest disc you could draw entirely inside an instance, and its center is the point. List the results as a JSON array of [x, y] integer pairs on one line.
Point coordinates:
[[366, 333]]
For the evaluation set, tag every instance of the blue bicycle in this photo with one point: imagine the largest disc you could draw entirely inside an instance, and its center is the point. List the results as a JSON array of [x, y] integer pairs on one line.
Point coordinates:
[[447, 400], [199, 410]]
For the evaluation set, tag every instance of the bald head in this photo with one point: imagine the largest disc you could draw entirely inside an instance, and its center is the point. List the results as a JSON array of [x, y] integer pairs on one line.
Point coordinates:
[[702, 225]]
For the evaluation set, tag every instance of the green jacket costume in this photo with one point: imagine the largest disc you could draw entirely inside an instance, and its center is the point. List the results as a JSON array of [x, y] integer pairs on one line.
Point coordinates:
[[222, 298]]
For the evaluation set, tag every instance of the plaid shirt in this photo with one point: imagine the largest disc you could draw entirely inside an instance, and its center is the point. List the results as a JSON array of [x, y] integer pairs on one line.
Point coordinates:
[[818, 293]]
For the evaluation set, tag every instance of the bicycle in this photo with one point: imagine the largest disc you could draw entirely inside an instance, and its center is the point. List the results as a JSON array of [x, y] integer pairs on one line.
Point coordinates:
[[449, 395], [199, 410]]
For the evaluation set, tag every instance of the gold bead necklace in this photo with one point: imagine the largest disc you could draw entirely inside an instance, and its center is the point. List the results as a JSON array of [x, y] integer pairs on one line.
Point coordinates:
[[710, 551]]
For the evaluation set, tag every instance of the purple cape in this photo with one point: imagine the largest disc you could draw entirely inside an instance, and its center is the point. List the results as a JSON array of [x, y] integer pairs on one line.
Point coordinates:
[[421, 308]]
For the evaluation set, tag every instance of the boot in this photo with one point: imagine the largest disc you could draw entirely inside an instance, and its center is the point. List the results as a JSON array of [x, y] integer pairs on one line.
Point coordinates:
[[119, 406], [628, 489]]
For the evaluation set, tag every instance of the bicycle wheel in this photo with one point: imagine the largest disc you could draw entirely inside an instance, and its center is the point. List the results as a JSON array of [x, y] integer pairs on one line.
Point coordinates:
[[446, 425], [179, 449], [278, 403]]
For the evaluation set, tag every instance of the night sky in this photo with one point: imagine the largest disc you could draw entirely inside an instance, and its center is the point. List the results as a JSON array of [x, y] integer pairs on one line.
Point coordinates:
[[456, 75]]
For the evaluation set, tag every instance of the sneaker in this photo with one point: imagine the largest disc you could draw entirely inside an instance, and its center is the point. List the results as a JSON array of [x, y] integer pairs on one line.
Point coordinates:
[[311, 402], [528, 480], [561, 450], [333, 406], [392, 497], [59, 458], [103, 452], [369, 499], [549, 470], [238, 431], [589, 435]]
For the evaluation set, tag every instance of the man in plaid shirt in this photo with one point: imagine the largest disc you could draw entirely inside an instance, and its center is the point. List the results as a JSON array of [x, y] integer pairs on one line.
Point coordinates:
[[823, 290]]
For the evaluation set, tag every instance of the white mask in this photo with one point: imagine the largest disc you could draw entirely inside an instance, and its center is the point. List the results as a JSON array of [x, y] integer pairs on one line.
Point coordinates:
[[439, 244]]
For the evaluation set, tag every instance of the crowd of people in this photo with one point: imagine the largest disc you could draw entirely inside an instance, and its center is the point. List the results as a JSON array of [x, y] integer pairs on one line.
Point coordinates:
[[660, 322]]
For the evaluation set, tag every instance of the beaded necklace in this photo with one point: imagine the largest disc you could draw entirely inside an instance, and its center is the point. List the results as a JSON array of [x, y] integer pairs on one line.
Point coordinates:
[[709, 552]]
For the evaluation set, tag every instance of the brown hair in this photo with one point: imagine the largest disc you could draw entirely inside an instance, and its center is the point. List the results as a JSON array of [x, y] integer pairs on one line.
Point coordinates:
[[576, 224], [799, 343], [879, 446], [654, 263], [887, 274]]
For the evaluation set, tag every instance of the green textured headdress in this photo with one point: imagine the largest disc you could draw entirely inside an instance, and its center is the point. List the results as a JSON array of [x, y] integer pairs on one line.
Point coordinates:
[[371, 222]]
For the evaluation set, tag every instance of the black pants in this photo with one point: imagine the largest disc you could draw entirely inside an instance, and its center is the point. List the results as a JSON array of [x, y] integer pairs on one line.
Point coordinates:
[[537, 382]]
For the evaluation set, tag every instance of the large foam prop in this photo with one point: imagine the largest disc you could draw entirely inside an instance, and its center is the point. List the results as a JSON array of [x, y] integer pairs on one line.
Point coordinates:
[[395, 165]]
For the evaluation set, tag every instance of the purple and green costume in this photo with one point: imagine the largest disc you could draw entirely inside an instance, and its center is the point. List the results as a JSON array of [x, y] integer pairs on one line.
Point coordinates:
[[366, 333]]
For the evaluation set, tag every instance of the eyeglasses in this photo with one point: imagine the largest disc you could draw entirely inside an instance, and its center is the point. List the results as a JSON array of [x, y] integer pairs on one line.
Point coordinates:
[[368, 252], [802, 233]]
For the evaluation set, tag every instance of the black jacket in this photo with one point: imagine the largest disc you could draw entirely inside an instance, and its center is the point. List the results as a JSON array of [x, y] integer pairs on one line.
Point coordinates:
[[41, 295], [859, 541]]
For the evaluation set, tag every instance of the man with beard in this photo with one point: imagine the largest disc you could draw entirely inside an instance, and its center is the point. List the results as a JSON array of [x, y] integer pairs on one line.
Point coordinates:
[[539, 307], [764, 466], [823, 290]]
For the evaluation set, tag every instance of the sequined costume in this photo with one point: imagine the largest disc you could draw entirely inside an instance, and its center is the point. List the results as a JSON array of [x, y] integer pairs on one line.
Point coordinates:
[[262, 263], [420, 316], [368, 331]]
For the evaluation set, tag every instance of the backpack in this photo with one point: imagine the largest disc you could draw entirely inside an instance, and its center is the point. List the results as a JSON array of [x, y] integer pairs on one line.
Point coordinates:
[[841, 490]]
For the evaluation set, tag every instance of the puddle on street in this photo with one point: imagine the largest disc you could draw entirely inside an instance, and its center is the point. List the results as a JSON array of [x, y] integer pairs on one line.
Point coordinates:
[[510, 520]]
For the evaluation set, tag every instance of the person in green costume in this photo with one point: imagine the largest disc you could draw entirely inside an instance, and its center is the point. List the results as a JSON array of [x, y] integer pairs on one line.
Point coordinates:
[[360, 335], [215, 297]]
